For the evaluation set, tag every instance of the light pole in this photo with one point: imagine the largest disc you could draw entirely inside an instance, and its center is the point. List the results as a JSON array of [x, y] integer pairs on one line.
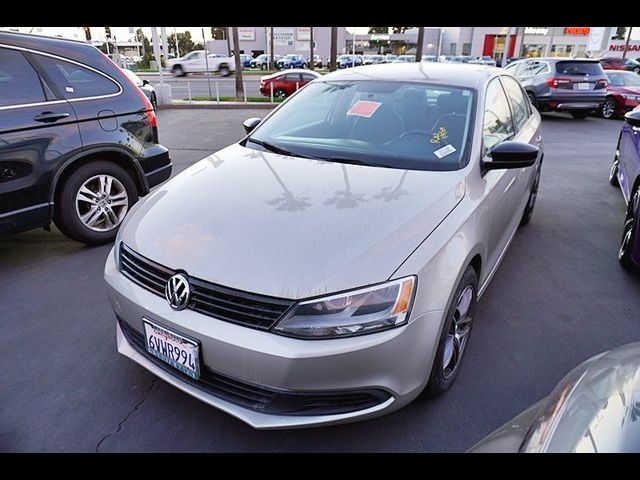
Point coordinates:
[[626, 45], [175, 35]]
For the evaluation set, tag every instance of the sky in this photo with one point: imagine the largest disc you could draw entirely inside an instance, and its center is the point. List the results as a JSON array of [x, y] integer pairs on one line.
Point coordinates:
[[122, 33]]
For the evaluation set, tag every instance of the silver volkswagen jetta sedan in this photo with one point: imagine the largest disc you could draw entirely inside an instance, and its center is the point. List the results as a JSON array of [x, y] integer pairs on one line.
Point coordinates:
[[326, 268]]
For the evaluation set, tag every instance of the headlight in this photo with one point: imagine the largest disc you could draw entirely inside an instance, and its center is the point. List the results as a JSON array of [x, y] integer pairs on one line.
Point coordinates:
[[355, 312]]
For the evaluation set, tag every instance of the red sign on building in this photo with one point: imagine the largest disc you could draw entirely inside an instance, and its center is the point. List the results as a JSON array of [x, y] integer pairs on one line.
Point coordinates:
[[577, 30]]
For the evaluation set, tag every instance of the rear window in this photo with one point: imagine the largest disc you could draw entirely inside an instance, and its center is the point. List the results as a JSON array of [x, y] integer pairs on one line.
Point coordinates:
[[75, 81], [579, 68]]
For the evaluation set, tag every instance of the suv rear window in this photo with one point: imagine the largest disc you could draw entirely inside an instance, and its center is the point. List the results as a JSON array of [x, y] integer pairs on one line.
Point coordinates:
[[579, 68]]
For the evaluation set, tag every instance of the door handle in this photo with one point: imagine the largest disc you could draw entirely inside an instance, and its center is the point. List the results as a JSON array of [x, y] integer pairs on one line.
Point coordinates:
[[50, 117]]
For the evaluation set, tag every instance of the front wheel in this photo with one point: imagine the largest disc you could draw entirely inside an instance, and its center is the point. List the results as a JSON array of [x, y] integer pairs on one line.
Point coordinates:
[[455, 334], [636, 70], [608, 109], [533, 196], [629, 234], [613, 171], [579, 114], [178, 71], [532, 99], [224, 71], [93, 201]]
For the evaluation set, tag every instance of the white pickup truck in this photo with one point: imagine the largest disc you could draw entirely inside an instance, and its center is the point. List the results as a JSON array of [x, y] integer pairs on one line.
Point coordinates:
[[194, 62]]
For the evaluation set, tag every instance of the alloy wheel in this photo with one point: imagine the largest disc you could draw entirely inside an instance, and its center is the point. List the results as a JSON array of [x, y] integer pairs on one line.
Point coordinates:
[[458, 334], [102, 203], [608, 108]]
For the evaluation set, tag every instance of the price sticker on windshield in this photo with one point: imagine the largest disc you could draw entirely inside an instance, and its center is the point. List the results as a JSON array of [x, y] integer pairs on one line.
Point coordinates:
[[444, 151], [364, 108]]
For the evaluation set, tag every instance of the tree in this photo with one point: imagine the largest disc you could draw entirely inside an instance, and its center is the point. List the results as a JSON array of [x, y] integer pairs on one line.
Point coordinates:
[[219, 33], [147, 51], [620, 33], [379, 43], [311, 65], [236, 54], [420, 44], [400, 29], [185, 43], [334, 49], [271, 56]]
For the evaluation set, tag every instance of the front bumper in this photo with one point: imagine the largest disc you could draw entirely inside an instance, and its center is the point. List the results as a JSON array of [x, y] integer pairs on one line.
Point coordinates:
[[396, 362]]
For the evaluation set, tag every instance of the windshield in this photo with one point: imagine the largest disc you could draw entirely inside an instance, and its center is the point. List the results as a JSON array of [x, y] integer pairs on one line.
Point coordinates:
[[623, 79], [391, 124], [132, 76]]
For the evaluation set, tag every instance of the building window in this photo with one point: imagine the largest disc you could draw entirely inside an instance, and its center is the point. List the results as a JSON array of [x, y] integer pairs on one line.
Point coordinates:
[[452, 50], [533, 51], [582, 51], [466, 49], [561, 50]]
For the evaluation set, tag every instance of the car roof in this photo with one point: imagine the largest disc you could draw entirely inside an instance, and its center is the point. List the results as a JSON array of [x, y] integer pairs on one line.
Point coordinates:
[[563, 59], [459, 75], [291, 70]]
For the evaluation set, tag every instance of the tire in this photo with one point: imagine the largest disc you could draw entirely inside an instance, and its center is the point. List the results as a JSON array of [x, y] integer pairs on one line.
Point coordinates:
[[442, 375], [629, 234], [532, 99], [280, 94], [304, 65], [636, 70], [613, 171], [69, 208], [178, 71], [533, 196], [608, 109], [579, 114], [224, 71]]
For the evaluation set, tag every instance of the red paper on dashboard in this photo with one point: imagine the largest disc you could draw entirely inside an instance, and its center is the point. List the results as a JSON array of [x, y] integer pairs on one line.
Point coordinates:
[[364, 108]]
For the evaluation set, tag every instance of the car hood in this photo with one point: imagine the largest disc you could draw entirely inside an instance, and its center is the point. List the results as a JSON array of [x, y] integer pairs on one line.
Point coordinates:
[[287, 226]]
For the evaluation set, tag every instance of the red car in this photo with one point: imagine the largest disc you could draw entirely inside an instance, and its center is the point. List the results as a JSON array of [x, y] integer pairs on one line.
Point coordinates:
[[623, 93], [613, 63], [286, 83]]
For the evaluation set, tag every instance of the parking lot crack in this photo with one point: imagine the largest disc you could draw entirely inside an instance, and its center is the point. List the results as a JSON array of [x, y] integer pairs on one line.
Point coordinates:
[[138, 404]]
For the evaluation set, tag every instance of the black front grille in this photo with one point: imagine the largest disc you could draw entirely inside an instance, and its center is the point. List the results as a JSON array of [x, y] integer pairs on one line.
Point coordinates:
[[264, 399], [244, 308]]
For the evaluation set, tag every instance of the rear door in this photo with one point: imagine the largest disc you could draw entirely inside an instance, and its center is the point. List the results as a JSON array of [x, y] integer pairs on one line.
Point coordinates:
[[293, 82], [38, 132]]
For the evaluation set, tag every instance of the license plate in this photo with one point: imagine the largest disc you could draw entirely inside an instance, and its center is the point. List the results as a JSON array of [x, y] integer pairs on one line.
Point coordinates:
[[177, 350], [584, 86]]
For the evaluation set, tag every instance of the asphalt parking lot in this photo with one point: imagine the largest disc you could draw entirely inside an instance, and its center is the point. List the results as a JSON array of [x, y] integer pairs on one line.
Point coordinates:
[[559, 297]]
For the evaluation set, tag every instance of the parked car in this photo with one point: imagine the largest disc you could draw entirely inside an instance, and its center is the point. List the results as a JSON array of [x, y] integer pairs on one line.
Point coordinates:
[[429, 58], [374, 59], [389, 57], [614, 63], [262, 61], [326, 267], [623, 93], [245, 60], [291, 61], [143, 85], [286, 83], [594, 409], [317, 61], [463, 59], [445, 58], [486, 60], [625, 172], [78, 139], [575, 85], [195, 62], [405, 59], [347, 61]]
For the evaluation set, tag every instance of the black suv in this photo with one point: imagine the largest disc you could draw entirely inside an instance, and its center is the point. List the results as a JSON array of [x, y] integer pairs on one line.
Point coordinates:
[[78, 139]]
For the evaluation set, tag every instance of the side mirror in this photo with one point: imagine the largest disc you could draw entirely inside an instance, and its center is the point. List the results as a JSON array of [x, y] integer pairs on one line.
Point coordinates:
[[511, 155], [145, 82], [633, 118], [250, 123]]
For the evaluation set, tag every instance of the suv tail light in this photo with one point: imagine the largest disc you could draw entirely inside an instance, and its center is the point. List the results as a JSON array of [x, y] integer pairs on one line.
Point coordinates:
[[558, 82], [601, 84]]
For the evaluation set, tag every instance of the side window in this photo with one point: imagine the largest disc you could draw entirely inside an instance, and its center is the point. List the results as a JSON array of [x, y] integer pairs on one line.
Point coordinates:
[[518, 101], [498, 125], [75, 81], [19, 82], [292, 77], [307, 77]]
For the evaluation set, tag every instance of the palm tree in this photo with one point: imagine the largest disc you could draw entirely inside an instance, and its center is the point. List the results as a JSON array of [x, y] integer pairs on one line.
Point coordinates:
[[420, 43], [311, 48], [236, 55], [334, 48]]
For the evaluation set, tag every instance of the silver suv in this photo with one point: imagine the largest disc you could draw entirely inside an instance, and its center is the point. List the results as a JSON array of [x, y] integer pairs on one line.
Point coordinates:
[[573, 85]]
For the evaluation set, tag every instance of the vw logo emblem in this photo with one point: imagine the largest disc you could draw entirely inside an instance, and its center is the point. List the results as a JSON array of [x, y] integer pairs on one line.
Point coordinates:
[[178, 292]]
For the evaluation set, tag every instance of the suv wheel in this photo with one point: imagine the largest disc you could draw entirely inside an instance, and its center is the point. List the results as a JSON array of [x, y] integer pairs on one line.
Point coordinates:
[[579, 114], [178, 71], [224, 71], [608, 109], [533, 195], [93, 201], [532, 99]]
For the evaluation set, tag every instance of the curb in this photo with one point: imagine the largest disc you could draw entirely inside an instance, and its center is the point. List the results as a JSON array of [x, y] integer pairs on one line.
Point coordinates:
[[220, 106]]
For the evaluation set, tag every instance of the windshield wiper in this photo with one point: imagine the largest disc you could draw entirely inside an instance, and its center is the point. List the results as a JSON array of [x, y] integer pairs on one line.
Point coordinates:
[[351, 161], [276, 149]]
